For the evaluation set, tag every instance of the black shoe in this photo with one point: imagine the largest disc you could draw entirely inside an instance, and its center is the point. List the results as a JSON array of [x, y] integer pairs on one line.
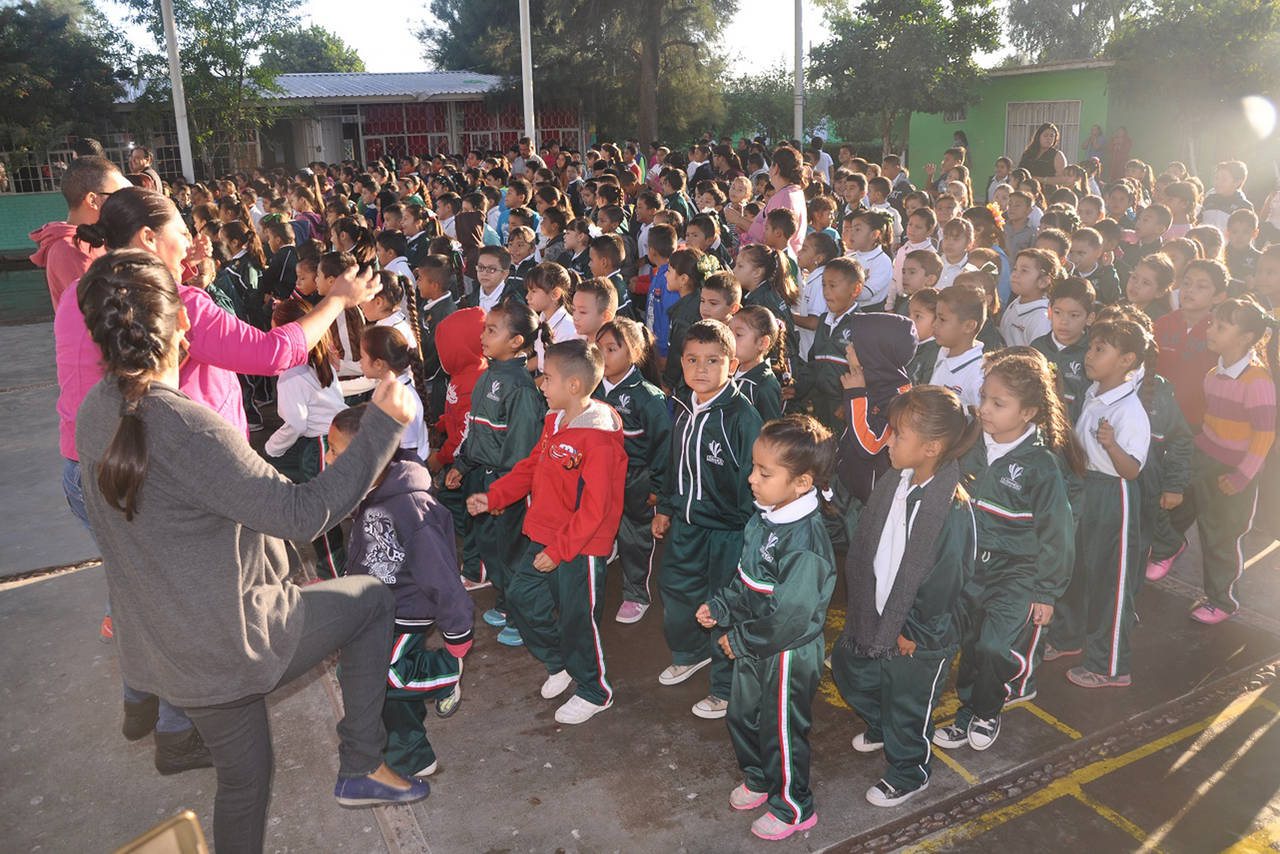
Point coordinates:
[[140, 718], [181, 751]]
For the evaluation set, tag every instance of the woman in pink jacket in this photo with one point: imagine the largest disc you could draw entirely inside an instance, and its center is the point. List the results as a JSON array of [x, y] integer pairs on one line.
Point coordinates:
[[219, 347], [786, 173]]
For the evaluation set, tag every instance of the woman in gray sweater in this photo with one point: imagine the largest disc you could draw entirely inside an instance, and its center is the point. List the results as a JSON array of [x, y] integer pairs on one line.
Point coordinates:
[[193, 528]]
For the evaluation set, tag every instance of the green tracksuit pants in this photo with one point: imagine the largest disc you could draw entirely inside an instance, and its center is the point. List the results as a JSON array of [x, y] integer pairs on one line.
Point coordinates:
[[896, 698], [464, 524], [1222, 522], [636, 545], [500, 543], [417, 675], [301, 463], [770, 713], [1158, 538], [558, 614], [1096, 612], [1002, 647], [696, 563]]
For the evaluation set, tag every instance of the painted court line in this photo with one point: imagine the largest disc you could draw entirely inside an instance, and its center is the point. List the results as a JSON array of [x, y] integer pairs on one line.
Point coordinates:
[[1114, 817], [1052, 721], [1072, 783]]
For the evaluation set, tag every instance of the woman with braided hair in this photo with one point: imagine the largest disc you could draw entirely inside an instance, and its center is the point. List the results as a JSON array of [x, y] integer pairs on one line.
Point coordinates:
[[192, 524]]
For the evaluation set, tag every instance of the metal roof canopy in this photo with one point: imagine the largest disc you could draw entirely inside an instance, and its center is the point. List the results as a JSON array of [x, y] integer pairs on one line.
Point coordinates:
[[417, 85]]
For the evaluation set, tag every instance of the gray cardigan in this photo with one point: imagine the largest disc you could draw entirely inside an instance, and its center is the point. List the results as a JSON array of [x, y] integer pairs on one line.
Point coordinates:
[[203, 611]]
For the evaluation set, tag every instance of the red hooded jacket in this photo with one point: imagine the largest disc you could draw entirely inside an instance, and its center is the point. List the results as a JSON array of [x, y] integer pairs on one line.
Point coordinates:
[[575, 476], [63, 258], [458, 343]]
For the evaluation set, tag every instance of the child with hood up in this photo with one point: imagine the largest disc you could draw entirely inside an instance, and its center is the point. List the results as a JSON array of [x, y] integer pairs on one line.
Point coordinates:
[[880, 349], [457, 340]]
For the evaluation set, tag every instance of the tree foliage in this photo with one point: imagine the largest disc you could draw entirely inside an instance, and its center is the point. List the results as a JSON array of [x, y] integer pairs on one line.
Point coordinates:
[[893, 58], [1058, 30], [644, 68], [58, 72], [311, 50], [228, 91], [764, 103]]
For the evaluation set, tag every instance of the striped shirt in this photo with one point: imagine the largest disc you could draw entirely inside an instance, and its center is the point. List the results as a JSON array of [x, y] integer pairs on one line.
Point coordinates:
[[1240, 418]]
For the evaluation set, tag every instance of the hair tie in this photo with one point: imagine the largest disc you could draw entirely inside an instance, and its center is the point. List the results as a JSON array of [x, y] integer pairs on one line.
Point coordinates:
[[989, 267]]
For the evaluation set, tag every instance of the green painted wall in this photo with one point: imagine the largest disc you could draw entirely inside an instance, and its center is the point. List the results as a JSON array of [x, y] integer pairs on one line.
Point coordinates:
[[23, 213], [984, 123]]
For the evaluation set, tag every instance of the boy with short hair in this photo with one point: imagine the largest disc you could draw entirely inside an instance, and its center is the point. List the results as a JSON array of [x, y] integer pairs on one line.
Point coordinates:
[[554, 223], [957, 240], [1019, 234], [703, 233], [1227, 196], [878, 190], [661, 246], [721, 297], [433, 277], [606, 253], [404, 537], [1072, 308], [493, 272], [1185, 357], [391, 249], [595, 303], [1053, 240], [1241, 255], [841, 283], [923, 311], [1085, 256], [415, 222], [704, 503], [1090, 210], [1151, 224], [961, 311], [779, 226], [574, 481]]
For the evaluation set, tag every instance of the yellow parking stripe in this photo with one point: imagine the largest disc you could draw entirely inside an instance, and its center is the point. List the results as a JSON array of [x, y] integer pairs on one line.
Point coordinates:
[[1052, 721], [967, 775], [1115, 818]]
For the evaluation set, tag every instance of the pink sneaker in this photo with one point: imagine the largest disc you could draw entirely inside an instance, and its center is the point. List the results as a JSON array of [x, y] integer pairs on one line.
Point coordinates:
[[631, 612], [1158, 569], [769, 826], [1210, 616]]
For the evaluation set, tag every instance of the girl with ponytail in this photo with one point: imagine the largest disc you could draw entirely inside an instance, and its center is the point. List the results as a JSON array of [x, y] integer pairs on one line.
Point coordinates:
[[905, 624], [766, 280], [1025, 538], [240, 278], [1095, 617], [193, 527]]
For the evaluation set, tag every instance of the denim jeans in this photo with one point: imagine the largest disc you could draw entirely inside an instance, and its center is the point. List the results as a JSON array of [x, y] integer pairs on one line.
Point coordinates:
[[172, 719]]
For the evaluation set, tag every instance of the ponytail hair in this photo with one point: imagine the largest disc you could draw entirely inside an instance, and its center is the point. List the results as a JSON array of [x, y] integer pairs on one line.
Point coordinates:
[[639, 342], [248, 238], [523, 321], [1030, 379], [319, 357], [125, 213], [765, 324], [361, 238], [936, 414], [776, 271], [550, 277], [131, 307]]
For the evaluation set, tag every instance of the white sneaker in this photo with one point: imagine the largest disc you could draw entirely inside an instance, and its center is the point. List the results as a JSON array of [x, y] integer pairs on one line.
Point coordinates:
[[429, 770], [677, 673], [862, 745], [711, 708], [577, 710], [555, 684]]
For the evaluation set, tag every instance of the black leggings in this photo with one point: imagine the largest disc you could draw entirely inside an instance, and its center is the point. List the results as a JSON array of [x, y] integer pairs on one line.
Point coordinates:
[[352, 615]]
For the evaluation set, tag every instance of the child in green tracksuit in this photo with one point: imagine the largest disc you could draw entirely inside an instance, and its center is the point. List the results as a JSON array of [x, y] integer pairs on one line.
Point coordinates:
[[773, 612], [759, 342], [1071, 311], [703, 505], [504, 424], [1026, 543], [841, 283], [912, 555], [630, 369]]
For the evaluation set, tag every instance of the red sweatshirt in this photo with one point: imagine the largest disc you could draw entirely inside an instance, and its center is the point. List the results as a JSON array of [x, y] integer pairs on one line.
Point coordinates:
[[458, 343], [576, 475], [63, 258], [1184, 360]]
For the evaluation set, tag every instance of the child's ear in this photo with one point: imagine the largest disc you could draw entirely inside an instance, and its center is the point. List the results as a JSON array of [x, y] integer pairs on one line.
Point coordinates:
[[609, 314]]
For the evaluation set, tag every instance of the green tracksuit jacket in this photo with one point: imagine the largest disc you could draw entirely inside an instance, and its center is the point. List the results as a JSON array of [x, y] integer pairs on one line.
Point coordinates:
[[1069, 362], [1168, 469], [827, 362], [683, 314], [760, 386], [766, 296]]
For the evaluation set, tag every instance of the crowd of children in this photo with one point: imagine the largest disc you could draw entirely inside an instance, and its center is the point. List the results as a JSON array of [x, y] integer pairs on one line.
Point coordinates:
[[1008, 414]]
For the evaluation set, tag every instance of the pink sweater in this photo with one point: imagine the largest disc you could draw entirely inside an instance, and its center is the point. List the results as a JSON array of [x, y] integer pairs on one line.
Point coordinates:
[[220, 347], [790, 196]]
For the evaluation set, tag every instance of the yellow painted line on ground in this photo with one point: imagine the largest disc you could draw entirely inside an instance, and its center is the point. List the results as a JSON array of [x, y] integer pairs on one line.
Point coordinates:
[[1113, 817], [1260, 555], [1261, 841], [1072, 783], [1052, 721], [965, 774]]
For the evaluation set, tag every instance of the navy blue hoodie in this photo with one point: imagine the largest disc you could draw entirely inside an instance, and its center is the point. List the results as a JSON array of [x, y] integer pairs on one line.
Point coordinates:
[[885, 344], [404, 537]]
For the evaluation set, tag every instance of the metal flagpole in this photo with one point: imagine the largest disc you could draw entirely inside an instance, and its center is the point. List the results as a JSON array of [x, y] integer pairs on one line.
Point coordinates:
[[179, 96], [526, 71], [798, 125]]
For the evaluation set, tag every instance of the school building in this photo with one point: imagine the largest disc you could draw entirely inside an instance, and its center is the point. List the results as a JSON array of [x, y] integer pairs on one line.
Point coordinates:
[[1012, 102]]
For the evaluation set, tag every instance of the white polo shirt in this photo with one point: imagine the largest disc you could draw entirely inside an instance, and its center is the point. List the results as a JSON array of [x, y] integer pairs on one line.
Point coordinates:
[[879, 268], [1023, 322], [949, 271], [1123, 411], [962, 373], [814, 304]]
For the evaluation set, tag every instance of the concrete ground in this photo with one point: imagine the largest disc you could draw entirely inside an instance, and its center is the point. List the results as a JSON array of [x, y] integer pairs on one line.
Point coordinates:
[[645, 776]]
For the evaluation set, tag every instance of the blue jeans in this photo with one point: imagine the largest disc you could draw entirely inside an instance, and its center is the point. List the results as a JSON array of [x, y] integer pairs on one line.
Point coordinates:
[[172, 719]]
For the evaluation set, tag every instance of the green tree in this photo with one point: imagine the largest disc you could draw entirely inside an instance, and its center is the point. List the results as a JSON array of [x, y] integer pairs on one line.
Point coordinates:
[[1058, 30], [229, 94], [1235, 46], [311, 50], [648, 68], [58, 72], [764, 103], [892, 58]]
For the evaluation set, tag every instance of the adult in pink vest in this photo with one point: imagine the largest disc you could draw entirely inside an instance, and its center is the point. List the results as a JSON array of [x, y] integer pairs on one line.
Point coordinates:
[[786, 174]]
